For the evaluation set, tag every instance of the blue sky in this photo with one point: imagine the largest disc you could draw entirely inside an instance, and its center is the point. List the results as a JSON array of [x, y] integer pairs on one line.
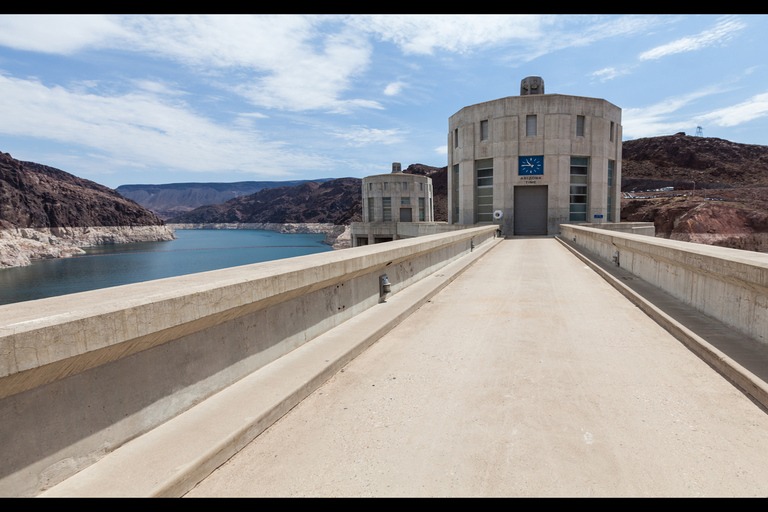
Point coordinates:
[[161, 99]]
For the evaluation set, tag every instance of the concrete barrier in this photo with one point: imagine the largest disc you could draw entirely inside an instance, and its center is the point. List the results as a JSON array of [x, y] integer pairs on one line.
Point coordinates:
[[729, 285], [636, 228], [80, 375]]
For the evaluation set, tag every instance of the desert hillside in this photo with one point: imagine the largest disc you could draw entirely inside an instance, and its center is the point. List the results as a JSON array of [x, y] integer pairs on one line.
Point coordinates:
[[720, 189]]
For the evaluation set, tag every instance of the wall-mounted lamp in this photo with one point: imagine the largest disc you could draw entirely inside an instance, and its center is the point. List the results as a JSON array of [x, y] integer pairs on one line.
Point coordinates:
[[385, 287]]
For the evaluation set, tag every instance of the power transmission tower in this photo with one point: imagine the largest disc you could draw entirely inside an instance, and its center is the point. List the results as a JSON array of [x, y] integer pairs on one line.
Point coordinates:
[[699, 131]]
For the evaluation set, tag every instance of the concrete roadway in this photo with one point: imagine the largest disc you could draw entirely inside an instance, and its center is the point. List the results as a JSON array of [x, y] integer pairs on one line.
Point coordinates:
[[529, 375]]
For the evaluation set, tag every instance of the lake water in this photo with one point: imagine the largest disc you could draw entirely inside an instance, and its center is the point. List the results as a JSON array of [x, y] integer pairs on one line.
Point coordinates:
[[195, 250]]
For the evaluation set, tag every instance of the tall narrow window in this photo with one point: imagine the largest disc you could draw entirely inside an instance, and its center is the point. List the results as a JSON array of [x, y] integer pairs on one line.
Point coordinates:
[[610, 188], [579, 126], [405, 185], [387, 207], [610, 135], [371, 210], [484, 190], [579, 180], [530, 126], [422, 215], [483, 130], [456, 138], [455, 193]]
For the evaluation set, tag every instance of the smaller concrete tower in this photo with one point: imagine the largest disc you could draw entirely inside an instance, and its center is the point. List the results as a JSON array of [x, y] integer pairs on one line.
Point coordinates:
[[531, 85]]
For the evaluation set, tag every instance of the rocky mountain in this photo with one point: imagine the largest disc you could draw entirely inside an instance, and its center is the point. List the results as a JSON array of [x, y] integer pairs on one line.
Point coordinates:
[[173, 199], [336, 201], [720, 194], [684, 162], [37, 196], [46, 212]]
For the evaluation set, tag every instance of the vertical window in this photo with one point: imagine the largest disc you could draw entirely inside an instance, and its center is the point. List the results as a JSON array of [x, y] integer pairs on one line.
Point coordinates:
[[610, 188], [386, 185], [421, 186], [483, 130], [579, 126], [455, 193], [371, 211], [610, 134], [579, 180], [421, 209], [530, 126], [456, 138], [406, 214], [405, 185], [370, 186], [484, 190], [387, 204]]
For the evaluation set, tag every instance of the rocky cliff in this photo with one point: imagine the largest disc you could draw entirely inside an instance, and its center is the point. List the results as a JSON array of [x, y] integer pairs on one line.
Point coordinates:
[[720, 194], [46, 212]]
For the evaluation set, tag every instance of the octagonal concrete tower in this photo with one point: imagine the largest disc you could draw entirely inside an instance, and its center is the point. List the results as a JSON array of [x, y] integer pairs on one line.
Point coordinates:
[[389, 201], [534, 161]]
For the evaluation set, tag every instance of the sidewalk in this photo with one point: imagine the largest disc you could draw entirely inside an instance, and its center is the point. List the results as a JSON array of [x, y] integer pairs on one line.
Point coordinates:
[[529, 375]]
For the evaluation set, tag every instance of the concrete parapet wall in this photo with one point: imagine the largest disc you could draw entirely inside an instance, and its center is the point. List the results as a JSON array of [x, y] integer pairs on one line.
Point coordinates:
[[82, 374], [729, 285], [637, 228]]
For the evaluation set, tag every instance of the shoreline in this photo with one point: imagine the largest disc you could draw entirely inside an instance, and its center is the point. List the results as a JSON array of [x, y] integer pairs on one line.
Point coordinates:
[[337, 236], [20, 246]]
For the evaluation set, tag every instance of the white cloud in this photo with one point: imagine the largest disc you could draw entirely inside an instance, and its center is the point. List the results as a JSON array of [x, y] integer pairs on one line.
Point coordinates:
[[287, 62], [360, 136], [140, 127], [610, 73], [753, 108], [661, 118], [393, 88], [56, 33], [423, 34], [722, 32]]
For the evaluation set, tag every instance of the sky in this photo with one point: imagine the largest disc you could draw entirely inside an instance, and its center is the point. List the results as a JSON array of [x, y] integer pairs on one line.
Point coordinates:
[[174, 98]]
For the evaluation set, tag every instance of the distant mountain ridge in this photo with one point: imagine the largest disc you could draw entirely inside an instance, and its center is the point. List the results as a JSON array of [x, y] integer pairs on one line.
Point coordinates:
[[172, 199], [335, 201]]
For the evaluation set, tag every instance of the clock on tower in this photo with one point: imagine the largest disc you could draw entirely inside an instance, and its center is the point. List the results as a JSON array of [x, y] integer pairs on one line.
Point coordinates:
[[530, 165]]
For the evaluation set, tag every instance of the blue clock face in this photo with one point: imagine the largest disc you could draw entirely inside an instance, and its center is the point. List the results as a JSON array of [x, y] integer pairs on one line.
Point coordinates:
[[530, 166]]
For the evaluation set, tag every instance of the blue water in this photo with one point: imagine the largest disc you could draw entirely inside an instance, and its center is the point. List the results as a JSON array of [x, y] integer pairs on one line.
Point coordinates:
[[195, 250]]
